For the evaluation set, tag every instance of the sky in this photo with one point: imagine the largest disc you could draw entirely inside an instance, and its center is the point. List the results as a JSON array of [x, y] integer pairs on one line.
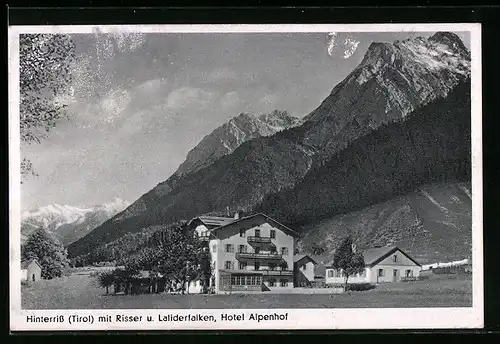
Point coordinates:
[[140, 102]]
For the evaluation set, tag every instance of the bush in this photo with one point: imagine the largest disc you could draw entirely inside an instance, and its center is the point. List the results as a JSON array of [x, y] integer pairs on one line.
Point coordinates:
[[360, 286], [352, 286]]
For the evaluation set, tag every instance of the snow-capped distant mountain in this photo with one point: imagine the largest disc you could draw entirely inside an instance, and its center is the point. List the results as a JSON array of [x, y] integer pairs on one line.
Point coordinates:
[[69, 223]]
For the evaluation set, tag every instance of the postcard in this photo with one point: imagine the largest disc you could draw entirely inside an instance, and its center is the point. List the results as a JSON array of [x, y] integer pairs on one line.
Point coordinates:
[[245, 177]]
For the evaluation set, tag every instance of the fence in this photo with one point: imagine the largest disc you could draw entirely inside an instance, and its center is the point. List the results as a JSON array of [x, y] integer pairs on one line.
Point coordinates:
[[446, 270]]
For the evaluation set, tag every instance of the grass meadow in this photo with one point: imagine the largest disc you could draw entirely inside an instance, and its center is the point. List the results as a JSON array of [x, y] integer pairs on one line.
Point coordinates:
[[80, 291]]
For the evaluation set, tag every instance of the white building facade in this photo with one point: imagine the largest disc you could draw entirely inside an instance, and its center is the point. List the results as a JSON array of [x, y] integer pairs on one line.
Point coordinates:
[[385, 264], [253, 253]]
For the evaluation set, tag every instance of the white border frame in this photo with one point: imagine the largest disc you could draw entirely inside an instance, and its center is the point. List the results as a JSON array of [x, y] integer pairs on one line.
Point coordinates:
[[324, 319]]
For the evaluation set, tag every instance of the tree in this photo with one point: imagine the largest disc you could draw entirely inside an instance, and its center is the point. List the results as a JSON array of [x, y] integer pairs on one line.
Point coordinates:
[[50, 253], [317, 250], [181, 255], [348, 261], [106, 279], [45, 74], [173, 251]]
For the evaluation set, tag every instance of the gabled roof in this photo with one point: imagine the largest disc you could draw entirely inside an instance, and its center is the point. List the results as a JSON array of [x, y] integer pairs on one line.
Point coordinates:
[[25, 263], [373, 256], [248, 218], [214, 220], [299, 257]]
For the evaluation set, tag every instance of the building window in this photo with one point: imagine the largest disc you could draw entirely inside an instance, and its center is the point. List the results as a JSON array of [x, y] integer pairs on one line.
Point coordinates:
[[284, 265], [409, 273], [395, 258], [227, 265], [242, 233], [284, 283], [273, 234], [272, 283], [229, 248], [257, 233], [214, 248], [257, 249], [330, 273], [242, 265], [256, 266], [243, 249], [380, 272], [253, 280], [284, 251], [304, 267]]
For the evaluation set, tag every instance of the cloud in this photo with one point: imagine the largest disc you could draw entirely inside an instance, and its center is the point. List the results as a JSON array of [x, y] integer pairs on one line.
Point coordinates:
[[114, 104], [188, 96], [107, 110], [269, 101], [230, 99], [151, 85], [222, 74]]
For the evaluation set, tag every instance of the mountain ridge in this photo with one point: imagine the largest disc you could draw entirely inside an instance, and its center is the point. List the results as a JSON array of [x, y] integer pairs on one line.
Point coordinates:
[[69, 223], [267, 165], [230, 135]]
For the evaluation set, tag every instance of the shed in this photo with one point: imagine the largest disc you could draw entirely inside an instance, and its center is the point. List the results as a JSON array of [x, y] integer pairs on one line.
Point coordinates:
[[31, 270], [303, 270]]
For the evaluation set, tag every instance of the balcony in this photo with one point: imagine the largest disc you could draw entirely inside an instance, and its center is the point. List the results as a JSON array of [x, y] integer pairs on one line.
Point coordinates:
[[260, 255], [277, 272], [258, 240]]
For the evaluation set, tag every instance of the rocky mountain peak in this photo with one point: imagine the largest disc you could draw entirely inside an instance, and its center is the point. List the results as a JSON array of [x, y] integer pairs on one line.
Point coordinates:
[[451, 41], [230, 135], [410, 73]]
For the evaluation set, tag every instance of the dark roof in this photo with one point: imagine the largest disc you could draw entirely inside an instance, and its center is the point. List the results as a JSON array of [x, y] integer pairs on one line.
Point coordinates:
[[25, 263], [299, 257], [243, 219], [372, 256], [214, 220]]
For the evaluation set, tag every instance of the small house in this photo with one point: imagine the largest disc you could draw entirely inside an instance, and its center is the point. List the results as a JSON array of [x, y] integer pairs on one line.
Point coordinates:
[[303, 270], [382, 264], [31, 270]]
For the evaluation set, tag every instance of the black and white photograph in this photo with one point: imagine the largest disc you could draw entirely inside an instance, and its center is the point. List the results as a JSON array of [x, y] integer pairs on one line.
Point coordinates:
[[245, 176]]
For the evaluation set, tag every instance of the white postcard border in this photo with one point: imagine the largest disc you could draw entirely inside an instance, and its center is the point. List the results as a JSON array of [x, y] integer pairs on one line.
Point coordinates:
[[352, 318]]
